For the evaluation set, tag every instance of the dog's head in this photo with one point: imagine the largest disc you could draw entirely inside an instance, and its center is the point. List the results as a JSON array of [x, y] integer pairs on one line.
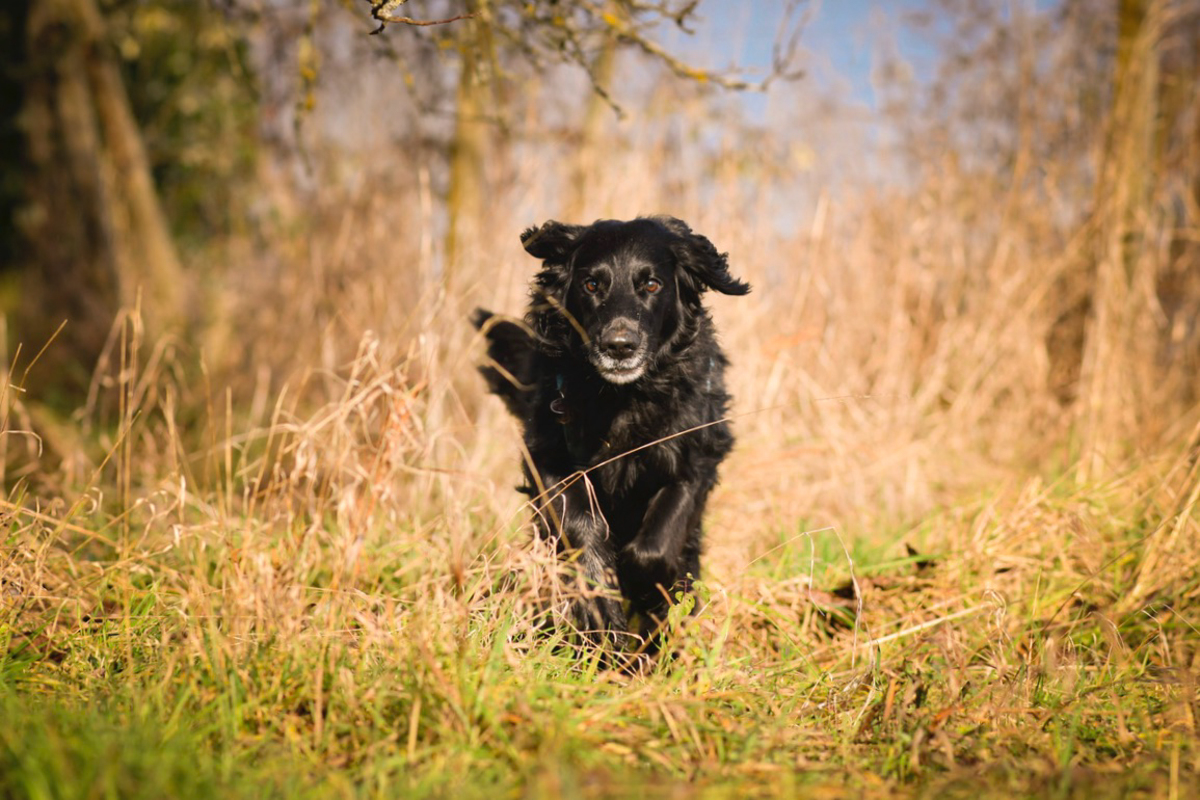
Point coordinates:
[[623, 291]]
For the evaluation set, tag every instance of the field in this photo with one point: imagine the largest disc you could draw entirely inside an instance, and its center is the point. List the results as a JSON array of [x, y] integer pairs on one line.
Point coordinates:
[[955, 552]]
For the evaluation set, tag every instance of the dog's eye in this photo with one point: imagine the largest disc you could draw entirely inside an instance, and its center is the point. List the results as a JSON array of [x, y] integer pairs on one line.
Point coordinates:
[[652, 285], [591, 285]]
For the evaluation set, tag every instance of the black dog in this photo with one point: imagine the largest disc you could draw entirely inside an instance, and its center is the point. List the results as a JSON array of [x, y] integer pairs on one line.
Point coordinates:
[[618, 380]]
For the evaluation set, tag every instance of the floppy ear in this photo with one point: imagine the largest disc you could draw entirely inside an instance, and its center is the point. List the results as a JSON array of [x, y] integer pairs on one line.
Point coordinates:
[[697, 257], [551, 242], [554, 243]]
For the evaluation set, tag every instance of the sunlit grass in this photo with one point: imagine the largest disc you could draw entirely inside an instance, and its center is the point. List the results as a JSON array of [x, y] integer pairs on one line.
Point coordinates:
[[290, 561], [294, 657]]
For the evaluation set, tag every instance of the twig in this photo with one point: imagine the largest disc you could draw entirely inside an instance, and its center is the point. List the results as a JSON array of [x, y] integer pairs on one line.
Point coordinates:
[[381, 10]]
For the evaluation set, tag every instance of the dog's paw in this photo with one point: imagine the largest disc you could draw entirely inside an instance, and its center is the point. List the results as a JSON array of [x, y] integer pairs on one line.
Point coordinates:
[[647, 571], [479, 318]]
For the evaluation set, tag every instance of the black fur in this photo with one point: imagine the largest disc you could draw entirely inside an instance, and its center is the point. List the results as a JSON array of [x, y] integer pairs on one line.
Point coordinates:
[[614, 361]]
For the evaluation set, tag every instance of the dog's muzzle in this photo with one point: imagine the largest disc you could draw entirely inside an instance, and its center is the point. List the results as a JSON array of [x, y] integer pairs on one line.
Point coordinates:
[[620, 352]]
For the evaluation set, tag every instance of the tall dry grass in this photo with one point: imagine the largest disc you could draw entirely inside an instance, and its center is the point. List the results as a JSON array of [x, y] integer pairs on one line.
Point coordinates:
[[891, 361], [303, 528]]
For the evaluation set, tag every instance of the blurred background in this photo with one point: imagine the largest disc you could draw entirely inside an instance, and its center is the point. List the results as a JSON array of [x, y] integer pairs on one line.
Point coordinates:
[[239, 239]]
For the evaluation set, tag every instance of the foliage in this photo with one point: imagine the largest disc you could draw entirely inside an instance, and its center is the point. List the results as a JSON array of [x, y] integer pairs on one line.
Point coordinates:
[[193, 91]]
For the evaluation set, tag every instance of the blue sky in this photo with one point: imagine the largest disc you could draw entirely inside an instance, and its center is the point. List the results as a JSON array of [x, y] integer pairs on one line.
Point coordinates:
[[824, 121], [837, 43]]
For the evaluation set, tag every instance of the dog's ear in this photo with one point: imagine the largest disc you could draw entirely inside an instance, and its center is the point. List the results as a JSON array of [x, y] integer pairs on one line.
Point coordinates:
[[551, 242], [697, 257]]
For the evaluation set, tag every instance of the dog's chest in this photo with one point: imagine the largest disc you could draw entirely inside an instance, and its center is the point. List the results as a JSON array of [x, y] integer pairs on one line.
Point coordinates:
[[620, 444]]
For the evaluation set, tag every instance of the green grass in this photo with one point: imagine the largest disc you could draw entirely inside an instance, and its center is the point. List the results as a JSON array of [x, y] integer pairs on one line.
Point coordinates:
[[324, 616], [246, 662]]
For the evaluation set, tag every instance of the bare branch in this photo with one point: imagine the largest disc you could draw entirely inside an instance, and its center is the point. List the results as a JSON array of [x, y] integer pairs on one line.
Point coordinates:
[[382, 10], [783, 51], [562, 33]]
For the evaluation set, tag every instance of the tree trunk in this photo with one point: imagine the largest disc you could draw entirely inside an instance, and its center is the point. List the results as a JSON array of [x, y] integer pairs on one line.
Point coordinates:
[[472, 132], [1121, 332], [580, 205], [98, 240]]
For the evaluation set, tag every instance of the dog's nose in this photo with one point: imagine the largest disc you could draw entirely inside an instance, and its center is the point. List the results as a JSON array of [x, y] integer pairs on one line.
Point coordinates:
[[620, 342]]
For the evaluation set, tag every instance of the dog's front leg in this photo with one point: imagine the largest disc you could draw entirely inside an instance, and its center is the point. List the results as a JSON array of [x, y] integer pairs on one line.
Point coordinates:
[[573, 520], [654, 561]]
